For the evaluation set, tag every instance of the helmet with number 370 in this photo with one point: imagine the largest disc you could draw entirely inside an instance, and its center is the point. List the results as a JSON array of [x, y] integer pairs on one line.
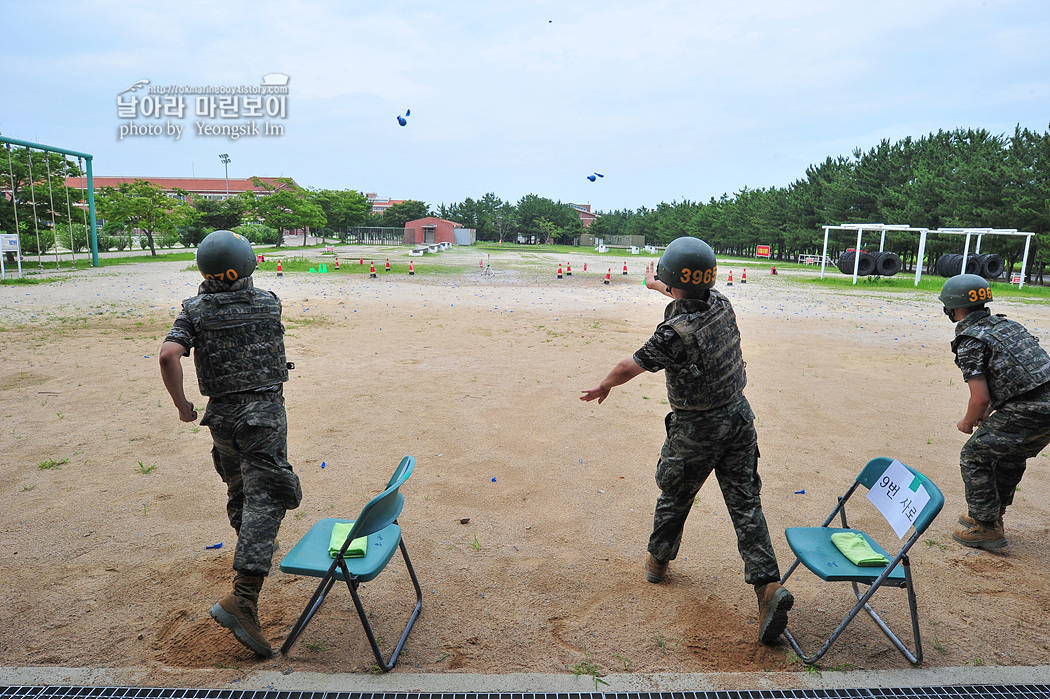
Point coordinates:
[[965, 291], [688, 263], [226, 256]]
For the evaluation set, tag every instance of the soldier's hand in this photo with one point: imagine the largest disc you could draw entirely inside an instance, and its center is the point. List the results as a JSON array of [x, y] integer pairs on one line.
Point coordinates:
[[965, 427], [187, 413], [597, 392]]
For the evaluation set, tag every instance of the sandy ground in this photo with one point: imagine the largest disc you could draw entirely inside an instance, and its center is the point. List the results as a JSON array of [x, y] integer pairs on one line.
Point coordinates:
[[478, 377]]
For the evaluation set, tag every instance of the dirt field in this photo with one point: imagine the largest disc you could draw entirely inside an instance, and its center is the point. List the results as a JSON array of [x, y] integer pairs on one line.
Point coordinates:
[[104, 559]]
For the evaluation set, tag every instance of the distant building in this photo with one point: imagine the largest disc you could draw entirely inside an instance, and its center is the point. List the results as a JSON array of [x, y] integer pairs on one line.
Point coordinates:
[[586, 217], [381, 205], [196, 187]]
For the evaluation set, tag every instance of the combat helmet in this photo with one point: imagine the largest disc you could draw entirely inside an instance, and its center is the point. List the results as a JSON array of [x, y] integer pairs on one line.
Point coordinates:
[[688, 263], [226, 256], [965, 291]]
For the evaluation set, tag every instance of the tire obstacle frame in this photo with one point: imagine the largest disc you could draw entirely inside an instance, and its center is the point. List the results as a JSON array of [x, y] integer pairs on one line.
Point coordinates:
[[860, 228]]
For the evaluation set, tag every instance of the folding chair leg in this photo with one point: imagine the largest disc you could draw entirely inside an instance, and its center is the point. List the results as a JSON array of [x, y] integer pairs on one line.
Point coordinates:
[[315, 603], [916, 658], [386, 665], [862, 603]]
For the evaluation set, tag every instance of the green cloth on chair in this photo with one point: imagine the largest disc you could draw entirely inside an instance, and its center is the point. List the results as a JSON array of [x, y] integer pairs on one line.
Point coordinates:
[[855, 547], [357, 547]]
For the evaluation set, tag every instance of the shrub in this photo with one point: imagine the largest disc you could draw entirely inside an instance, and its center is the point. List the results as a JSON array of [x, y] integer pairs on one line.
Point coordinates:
[[72, 236], [257, 233]]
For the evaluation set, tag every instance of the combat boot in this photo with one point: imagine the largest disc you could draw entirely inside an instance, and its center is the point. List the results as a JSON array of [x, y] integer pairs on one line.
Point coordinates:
[[982, 535], [774, 601], [655, 570], [241, 616], [239, 612], [967, 521]]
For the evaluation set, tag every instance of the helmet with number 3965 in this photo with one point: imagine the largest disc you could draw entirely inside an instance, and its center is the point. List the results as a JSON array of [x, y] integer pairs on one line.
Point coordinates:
[[688, 263], [965, 291]]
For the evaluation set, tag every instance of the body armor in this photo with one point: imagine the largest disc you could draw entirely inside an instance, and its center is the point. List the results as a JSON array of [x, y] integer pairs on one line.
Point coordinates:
[[1018, 364], [712, 372], [240, 341]]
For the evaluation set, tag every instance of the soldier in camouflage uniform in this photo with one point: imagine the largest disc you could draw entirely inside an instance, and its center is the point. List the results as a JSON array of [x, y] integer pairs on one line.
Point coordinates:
[[238, 342], [710, 427], [1006, 372]]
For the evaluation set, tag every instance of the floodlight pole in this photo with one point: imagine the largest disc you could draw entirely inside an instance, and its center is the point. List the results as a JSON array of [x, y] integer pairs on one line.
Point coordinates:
[[225, 158]]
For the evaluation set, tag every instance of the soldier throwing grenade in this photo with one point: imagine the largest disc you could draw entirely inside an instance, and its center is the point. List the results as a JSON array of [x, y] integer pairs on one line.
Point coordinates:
[[1009, 373], [710, 427], [236, 333]]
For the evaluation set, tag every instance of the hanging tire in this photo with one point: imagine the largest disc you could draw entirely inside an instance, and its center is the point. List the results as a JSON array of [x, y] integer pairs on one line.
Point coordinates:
[[992, 266], [973, 264], [887, 263], [944, 266], [845, 262]]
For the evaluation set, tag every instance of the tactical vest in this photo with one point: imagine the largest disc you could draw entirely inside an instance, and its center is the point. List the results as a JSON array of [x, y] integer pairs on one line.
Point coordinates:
[[712, 372], [239, 341], [1018, 364]]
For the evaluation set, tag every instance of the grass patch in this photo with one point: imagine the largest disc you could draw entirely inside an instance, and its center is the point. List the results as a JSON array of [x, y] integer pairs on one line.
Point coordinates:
[[51, 464], [929, 283], [25, 281]]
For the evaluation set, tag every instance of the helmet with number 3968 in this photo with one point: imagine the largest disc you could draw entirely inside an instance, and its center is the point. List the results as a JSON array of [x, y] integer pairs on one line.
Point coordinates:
[[688, 263], [965, 291]]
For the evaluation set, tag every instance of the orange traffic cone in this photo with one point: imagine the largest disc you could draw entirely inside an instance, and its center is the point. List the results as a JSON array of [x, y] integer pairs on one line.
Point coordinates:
[[388, 264], [481, 264], [411, 268], [337, 263], [625, 267], [608, 276], [372, 270], [280, 272], [559, 270], [730, 282], [743, 277], [568, 269]]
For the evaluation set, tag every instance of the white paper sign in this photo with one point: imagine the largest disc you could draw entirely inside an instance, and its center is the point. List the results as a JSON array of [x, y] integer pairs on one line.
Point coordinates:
[[899, 496]]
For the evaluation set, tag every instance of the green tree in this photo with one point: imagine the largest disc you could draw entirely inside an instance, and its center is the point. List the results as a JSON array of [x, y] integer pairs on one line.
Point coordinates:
[[284, 206], [343, 208], [397, 215], [145, 206]]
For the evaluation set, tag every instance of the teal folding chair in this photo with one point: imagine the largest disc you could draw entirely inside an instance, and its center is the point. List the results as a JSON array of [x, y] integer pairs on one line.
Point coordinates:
[[377, 521], [814, 549]]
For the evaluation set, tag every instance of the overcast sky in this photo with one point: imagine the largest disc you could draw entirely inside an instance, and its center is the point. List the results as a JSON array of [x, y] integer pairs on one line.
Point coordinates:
[[668, 100]]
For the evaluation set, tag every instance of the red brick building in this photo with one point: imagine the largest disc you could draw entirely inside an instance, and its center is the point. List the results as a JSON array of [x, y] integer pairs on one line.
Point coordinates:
[[432, 230]]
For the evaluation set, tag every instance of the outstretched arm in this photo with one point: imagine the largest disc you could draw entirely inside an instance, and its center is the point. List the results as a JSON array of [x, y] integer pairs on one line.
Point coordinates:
[[623, 372], [979, 406], [171, 371]]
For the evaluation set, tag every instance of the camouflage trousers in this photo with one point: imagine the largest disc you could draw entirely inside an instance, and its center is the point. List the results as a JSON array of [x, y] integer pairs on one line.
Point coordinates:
[[250, 451], [724, 441], [993, 459]]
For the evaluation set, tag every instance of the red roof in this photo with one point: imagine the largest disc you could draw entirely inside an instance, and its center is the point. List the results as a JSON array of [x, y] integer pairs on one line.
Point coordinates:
[[193, 185]]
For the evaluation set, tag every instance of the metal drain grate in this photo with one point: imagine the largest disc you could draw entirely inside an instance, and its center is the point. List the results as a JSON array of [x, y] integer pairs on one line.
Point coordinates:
[[1015, 691]]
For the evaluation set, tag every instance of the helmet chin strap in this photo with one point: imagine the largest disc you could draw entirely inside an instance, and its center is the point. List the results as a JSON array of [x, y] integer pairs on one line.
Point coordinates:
[[950, 312]]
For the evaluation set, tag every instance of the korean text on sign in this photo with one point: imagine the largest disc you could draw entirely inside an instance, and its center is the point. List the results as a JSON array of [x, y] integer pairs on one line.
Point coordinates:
[[900, 496]]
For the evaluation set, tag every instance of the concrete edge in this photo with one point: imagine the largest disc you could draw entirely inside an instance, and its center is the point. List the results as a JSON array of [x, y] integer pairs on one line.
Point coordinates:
[[523, 682]]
